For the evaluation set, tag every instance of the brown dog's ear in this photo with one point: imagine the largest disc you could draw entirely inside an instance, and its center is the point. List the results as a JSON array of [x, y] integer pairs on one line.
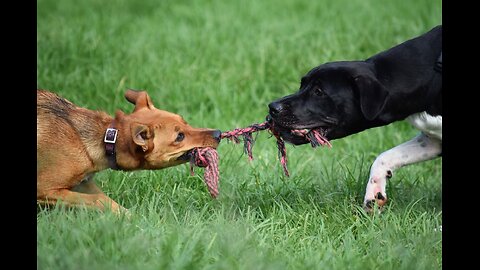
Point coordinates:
[[373, 96], [139, 98], [140, 134]]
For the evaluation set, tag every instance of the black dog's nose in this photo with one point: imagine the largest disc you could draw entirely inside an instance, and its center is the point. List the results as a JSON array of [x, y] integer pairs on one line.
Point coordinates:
[[268, 118], [217, 135], [275, 107]]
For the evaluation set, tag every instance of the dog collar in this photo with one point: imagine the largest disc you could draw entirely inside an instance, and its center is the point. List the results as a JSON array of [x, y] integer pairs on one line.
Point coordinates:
[[438, 64], [109, 140]]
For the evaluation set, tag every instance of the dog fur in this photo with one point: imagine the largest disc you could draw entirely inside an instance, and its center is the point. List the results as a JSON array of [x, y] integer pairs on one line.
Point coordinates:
[[347, 97], [70, 146]]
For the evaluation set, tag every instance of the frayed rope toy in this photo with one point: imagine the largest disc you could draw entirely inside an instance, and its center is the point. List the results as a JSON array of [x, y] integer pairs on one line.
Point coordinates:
[[208, 157]]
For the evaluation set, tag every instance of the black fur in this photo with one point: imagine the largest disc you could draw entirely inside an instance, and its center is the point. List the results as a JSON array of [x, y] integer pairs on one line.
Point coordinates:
[[346, 97]]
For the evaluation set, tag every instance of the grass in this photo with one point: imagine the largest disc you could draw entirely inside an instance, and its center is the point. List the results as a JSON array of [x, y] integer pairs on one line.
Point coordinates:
[[218, 64]]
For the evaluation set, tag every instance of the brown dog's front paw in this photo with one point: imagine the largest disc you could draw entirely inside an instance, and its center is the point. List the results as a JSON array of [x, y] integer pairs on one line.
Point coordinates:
[[120, 210], [123, 211]]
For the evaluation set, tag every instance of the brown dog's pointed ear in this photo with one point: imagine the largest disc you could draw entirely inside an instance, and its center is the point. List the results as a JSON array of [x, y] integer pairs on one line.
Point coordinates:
[[140, 99], [140, 134], [373, 96]]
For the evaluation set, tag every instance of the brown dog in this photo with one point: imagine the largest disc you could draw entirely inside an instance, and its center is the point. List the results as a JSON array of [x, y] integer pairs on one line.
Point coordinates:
[[73, 143]]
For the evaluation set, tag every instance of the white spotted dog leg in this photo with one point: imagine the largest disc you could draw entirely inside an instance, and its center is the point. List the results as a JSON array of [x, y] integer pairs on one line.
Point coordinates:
[[420, 148]]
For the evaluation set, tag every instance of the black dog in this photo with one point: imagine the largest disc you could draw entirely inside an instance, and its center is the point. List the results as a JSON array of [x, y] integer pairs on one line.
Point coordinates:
[[347, 97]]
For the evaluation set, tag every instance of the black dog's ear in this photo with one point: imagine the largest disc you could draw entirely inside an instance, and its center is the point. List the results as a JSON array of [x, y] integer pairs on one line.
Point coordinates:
[[373, 96]]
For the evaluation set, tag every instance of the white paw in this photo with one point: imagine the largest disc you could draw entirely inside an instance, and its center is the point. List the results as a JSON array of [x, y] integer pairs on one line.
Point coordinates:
[[375, 193]]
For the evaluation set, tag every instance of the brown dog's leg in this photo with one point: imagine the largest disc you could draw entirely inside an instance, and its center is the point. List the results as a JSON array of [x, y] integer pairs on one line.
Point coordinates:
[[90, 187], [71, 198]]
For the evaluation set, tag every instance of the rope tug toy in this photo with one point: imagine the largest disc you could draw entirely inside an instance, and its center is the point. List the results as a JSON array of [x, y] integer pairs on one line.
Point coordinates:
[[208, 157]]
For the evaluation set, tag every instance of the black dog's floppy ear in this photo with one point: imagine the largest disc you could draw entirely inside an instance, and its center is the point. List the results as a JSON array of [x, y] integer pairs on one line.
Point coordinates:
[[373, 96]]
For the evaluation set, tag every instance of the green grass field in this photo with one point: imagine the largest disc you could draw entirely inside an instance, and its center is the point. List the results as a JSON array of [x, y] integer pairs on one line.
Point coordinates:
[[218, 64]]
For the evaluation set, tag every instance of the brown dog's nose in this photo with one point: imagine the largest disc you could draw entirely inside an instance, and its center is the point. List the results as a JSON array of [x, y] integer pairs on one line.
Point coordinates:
[[275, 108], [217, 135]]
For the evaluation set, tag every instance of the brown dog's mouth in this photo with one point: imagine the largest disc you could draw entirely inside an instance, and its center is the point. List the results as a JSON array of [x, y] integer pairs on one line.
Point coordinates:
[[186, 156]]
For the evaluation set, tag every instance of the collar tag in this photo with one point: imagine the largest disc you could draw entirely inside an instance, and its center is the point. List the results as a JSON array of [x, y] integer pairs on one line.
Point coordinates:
[[110, 135]]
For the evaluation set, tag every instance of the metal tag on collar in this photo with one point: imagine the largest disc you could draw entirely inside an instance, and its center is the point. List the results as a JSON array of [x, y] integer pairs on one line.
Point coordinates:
[[110, 135]]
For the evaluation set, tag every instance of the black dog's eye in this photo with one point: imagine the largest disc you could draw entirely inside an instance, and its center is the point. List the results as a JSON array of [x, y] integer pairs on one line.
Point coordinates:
[[319, 91], [180, 137]]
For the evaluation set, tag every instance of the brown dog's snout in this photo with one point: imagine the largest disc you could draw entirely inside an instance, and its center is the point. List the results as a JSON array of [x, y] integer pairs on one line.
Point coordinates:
[[217, 135]]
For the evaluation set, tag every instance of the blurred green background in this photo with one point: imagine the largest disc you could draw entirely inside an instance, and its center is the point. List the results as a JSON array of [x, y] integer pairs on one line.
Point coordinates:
[[219, 64]]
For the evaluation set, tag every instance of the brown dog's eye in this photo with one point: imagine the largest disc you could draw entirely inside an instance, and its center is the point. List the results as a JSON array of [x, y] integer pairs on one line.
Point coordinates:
[[180, 137], [319, 91]]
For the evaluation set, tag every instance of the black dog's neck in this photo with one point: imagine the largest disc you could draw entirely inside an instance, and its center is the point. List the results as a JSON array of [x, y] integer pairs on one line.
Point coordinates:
[[409, 93], [398, 108]]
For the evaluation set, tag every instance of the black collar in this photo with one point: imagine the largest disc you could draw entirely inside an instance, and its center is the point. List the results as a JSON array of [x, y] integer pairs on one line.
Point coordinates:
[[438, 64], [109, 140]]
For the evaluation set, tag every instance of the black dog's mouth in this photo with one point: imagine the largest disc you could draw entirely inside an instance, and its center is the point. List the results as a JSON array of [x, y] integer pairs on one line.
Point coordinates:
[[297, 134]]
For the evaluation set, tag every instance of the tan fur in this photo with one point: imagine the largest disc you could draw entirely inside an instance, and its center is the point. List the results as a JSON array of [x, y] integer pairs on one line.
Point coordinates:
[[70, 146]]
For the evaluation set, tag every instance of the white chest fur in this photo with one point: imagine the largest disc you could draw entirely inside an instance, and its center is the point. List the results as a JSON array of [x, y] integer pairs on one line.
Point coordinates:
[[428, 124]]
